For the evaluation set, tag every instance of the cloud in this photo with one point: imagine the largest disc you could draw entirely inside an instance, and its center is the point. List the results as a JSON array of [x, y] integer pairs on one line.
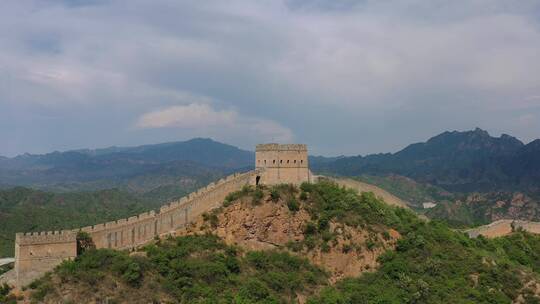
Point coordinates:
[[347, 76], [221, 123], [188, 116]]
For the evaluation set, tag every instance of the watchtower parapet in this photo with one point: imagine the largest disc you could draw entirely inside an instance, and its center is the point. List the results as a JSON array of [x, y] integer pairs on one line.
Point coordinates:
[[282, 163], [44, 237]]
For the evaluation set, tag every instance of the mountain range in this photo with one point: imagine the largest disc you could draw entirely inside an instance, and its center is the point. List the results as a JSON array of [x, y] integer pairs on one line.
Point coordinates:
[[456, 161], [191, 163]]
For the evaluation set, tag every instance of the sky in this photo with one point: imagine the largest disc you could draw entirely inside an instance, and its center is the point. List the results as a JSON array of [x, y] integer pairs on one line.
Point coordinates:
[[343, 76]]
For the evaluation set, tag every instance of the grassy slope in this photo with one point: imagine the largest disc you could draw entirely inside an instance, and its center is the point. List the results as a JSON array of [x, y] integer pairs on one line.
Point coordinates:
[[432, 263]]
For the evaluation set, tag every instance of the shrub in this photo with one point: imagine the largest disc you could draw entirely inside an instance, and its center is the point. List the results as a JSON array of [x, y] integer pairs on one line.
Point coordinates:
[[310, 228], [325, 247], [132, 274], [84, 242], [5, 297], [256, 291], [257, 196], [274, 195], [310, 242], [293, 205], [295, 246], [323, 224]]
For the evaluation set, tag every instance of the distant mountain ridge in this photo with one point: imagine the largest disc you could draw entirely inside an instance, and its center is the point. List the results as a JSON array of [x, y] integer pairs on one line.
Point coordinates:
[[196, 161], [202, 150], [457, 161]]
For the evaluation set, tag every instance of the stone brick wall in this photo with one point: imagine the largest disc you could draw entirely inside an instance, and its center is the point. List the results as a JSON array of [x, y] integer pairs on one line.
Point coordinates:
[[37, 253], [282, 163], [503, 227]]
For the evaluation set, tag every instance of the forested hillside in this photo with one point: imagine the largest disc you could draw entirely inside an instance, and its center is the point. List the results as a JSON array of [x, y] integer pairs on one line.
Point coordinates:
[[27, 210]]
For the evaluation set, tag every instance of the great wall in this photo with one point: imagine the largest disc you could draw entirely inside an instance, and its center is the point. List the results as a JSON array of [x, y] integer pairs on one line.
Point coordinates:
[[503, 227], [39, 252]]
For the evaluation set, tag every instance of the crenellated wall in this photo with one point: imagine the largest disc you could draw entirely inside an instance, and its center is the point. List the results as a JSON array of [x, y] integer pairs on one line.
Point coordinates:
[[37, 253], [503, 227]]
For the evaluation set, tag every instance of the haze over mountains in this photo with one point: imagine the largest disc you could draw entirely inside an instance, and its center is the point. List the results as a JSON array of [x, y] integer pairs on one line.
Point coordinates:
[[143, 168], [456, 161]]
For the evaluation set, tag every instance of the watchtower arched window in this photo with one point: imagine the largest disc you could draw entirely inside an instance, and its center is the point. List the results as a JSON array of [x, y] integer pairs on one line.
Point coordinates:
[[295, 161], [301, 161], [274, 161], [288, 161], [281, 161]]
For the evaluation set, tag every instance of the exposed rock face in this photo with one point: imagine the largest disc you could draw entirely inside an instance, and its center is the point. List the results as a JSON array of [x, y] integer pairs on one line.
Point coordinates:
[[271, 225], [266, 226]]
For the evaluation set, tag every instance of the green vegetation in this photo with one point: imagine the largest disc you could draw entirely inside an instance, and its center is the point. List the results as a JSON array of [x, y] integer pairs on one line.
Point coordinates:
[[255, 193], [5, 297], [483, 208], [464, 162], [460, 215], [431, 263], [407, 189], [434, 265], [26, 210], [194, 269]]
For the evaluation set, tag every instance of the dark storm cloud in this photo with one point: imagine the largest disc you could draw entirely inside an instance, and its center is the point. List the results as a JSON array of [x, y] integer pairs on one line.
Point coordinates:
[[343, 76]]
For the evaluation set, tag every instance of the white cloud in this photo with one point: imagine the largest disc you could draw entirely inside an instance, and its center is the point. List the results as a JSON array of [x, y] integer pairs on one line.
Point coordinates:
[[207, 121], [188, 116]]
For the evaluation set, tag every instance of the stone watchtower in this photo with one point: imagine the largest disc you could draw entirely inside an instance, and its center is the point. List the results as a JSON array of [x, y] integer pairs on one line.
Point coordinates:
[[282, 164]]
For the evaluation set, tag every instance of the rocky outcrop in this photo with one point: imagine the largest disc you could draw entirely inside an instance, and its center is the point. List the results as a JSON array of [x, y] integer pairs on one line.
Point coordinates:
[[271, 225]]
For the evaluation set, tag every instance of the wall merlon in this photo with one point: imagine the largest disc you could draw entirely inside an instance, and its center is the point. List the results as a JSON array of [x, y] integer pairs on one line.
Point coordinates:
[[45, 237], [87, 229], [121, 221], [164, 209], [110, 224], [281, 147]]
